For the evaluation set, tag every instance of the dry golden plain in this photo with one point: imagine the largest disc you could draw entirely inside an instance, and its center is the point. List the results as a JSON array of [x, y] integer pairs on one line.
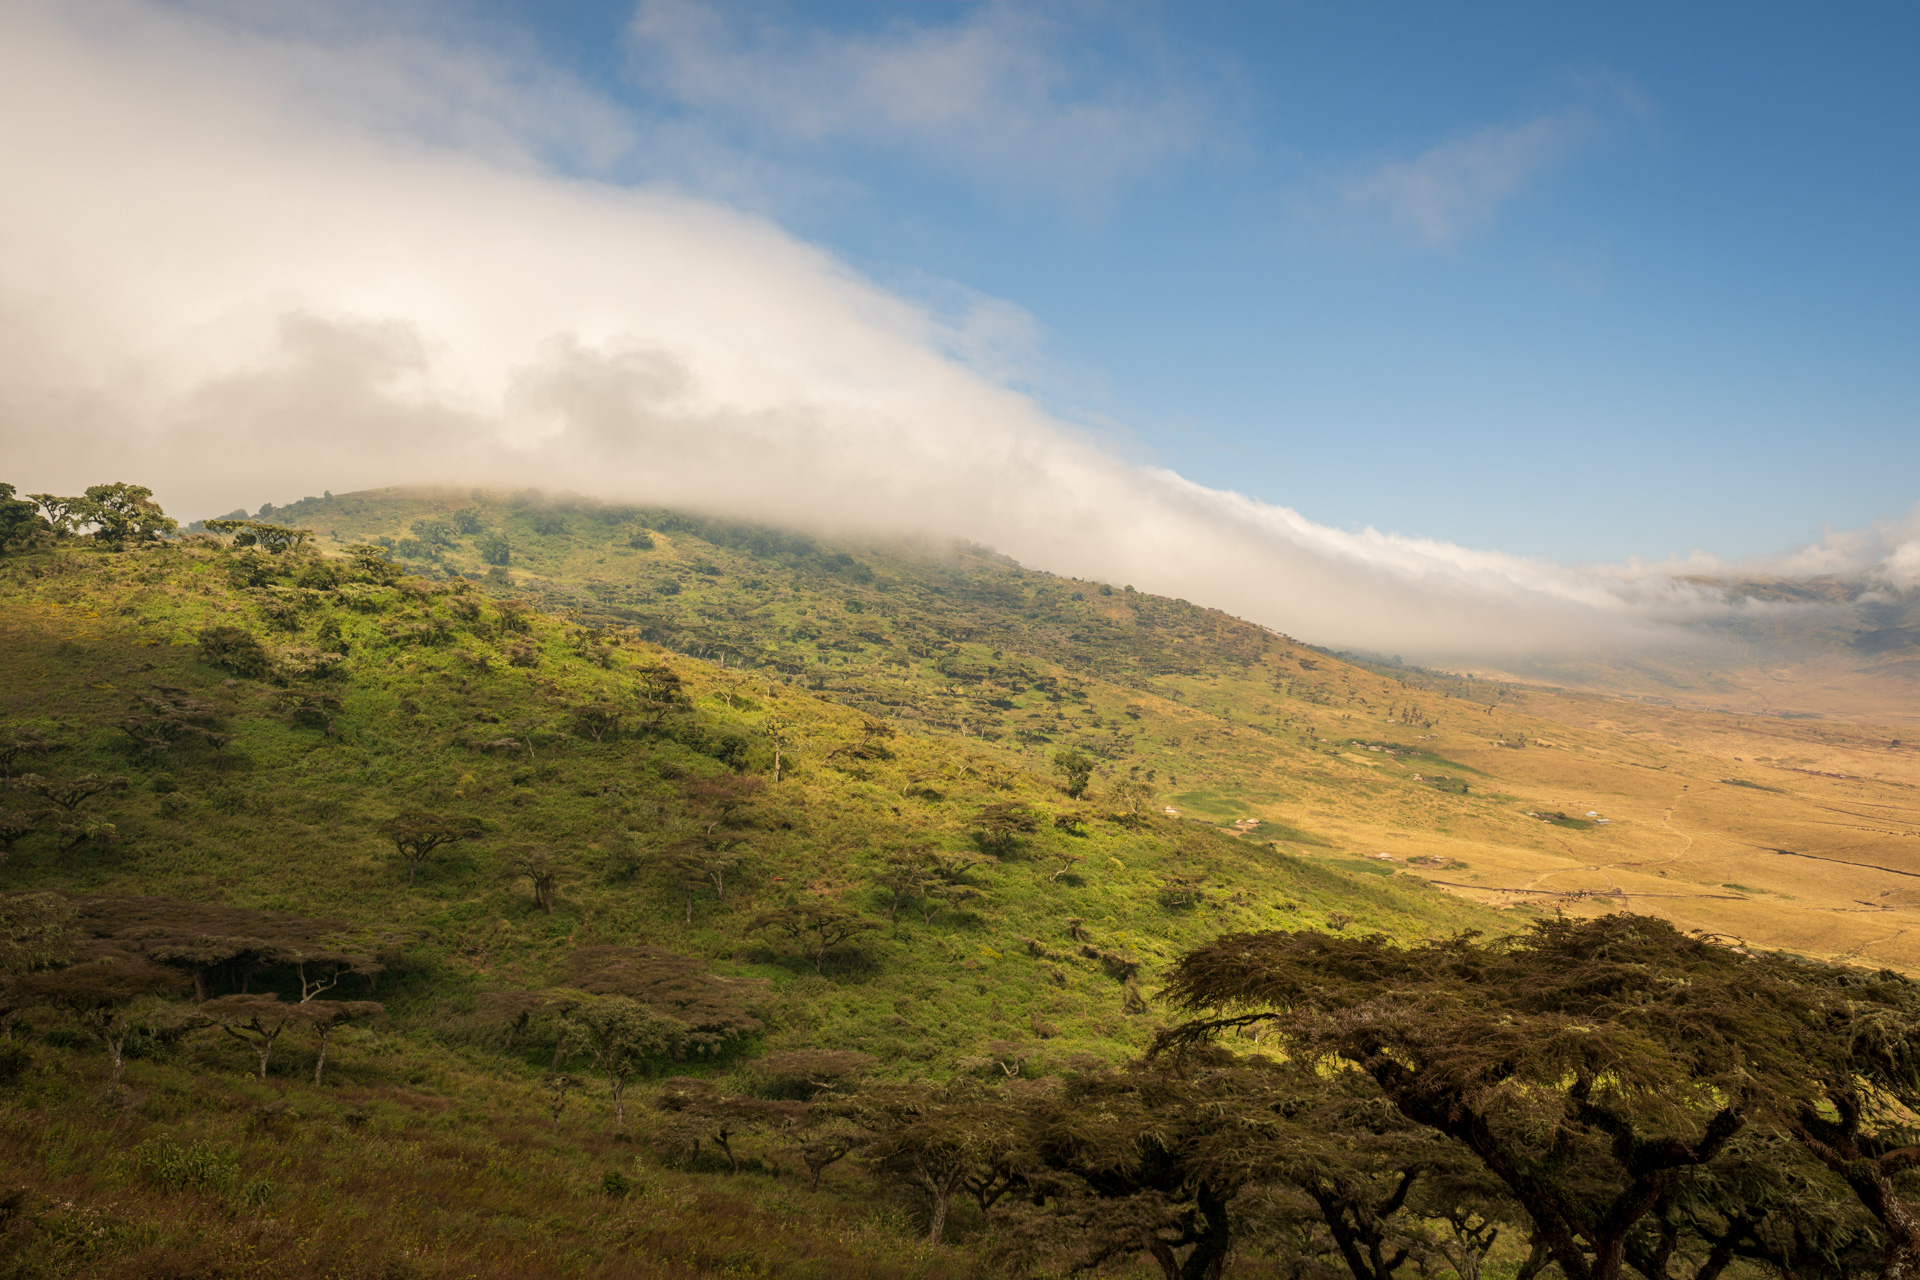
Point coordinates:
[[1792, 834]]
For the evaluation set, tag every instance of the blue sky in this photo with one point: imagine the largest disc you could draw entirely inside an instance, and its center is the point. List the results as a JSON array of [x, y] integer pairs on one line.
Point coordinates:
[[1582, 282]]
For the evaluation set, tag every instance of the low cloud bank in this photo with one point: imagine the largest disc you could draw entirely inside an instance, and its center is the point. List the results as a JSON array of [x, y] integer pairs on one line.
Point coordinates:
[[223, 282]]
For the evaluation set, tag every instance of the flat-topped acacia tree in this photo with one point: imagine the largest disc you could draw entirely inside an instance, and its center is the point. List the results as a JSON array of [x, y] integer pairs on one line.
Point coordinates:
[[417, 836], [325, 1015], [623, 1037], [815, 927], [107, 996], [1607, 1070]]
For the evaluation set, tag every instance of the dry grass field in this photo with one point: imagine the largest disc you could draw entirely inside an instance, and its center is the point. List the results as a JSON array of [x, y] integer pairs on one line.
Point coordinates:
[[1783, 833]]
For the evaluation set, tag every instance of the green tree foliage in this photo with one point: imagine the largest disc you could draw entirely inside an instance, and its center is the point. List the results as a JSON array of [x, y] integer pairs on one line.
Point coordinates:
[[107, 997], [701, 1113], [544, 868], [935, 1137], [21, 524], [999, 827], [1606, 1071], [274, 539], [418, 836], [36, 932], [813, 928], [170, 715], [68, 793], [805, 1075], [257, 1021], [234, 649], [124, 513], [116, 514], [18, 741], [1133, 803], [1075, 769], [623, 1037], [715, 1014]]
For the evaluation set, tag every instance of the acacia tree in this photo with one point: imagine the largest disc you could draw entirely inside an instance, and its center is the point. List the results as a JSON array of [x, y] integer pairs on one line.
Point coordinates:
[[1133, 802], [271, 538], [660, 695], [935, 1137], [714, 1013], [1150, 1159], [321, 971], [20, 741], [1075, 769], [1604, 1071], [257, 1021], [702, 863], [999, 827], [814, 927], [904, 876], [36, 932], [68, 793], [418, 836], [543, 867], [622, 1037], [702, 1113], [110, 997], [325, 1015], [712, 846]]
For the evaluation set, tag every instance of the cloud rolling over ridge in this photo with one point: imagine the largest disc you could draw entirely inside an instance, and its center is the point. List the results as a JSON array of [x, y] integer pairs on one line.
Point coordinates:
[[224, 282]]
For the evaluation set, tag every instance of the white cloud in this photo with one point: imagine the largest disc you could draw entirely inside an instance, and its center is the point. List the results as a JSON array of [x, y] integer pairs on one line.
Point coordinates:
[[218, 284], [996, 92], [1459, 184], [1886, 554]]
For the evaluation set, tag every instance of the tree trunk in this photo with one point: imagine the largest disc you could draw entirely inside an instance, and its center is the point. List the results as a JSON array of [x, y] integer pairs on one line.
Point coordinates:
[[116, 1044], [619, 1103], [1875, 1188], [1208, 1261], [1538, 1259], [942, 1198], [321, 1065]]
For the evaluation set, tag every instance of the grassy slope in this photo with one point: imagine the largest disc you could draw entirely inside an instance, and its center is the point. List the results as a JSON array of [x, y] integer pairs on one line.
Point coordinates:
[[453, 1169], [984, 668], [1229, 720]]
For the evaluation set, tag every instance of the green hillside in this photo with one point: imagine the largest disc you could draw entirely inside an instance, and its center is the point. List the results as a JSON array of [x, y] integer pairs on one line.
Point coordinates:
[[605, 710], [452, 885]]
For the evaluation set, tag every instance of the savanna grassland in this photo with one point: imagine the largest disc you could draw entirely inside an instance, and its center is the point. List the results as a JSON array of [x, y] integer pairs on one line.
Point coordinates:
[[827, 824], [1798, 832]]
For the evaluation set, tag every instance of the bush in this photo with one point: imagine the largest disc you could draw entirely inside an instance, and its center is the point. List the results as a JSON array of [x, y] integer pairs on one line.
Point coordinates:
[[233, 649], [204, 1166]]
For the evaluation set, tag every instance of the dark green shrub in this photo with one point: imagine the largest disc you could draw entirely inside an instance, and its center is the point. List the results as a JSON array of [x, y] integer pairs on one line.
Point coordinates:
[[233, 649]]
